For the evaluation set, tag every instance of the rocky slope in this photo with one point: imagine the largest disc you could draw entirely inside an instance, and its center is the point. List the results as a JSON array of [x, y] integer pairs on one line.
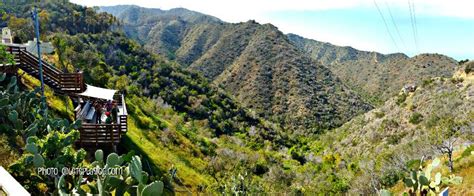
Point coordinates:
[[387, 139], [376, 76]]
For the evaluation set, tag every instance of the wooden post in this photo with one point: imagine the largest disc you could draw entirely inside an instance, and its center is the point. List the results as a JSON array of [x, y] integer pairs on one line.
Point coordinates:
[[111, 133], [96, 135]]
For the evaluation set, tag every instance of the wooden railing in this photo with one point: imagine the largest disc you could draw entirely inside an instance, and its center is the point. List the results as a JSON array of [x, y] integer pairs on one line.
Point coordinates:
[[123, 123], [29, 63], [15, 51], [52, 76], [120, 99], [104, 134], [9, 68], [99, 134], [72, 82]]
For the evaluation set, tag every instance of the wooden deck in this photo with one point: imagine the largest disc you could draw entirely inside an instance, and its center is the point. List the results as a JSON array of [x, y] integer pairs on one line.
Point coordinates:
[[71, 84], [100, 135]]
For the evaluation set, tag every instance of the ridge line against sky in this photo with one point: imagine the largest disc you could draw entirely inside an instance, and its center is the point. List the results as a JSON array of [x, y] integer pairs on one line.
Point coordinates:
[[444, 27]]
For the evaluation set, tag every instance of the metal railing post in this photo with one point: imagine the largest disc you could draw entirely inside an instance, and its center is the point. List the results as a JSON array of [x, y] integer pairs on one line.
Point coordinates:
[[38, 46]]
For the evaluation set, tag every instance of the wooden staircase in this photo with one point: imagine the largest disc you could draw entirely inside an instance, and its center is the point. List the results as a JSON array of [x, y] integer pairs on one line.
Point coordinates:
[[63, 83]]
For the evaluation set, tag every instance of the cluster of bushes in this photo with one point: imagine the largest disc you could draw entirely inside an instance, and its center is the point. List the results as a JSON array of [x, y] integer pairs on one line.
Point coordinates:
[[55, 16], [456, 80], [401, 98], [427, 82], [415, 118], [469, 67]]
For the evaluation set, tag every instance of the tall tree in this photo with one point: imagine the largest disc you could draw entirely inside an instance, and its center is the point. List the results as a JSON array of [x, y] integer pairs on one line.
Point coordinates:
[[60, 49], [22, 28]]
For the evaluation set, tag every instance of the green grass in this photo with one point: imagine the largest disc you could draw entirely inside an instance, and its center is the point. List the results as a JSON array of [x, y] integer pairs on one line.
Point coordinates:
[[7, 154], [60, 105], [181, 154]]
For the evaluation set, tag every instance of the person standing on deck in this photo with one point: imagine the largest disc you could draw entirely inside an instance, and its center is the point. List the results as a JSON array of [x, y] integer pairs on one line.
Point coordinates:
[[108, 106], [114, 111], [98, 112]]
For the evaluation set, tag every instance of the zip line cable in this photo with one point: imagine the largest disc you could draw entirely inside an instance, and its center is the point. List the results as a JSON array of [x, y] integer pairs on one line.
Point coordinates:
[[395, 24], [386, 25]]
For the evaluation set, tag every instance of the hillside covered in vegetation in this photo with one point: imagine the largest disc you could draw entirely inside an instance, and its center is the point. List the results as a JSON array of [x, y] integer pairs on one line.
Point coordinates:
[[390, 140], [255, 63], [220, 108]]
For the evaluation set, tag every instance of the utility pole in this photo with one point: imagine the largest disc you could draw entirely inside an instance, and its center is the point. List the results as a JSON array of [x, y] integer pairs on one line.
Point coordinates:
[[38, 46]]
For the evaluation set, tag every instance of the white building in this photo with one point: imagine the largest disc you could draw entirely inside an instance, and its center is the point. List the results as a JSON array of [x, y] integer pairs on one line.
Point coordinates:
[[6, 36], [46, 47], [31, 45]]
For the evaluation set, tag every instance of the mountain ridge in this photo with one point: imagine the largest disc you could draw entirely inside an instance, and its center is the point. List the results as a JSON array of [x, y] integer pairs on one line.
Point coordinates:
[[376, 76], [258, 65]]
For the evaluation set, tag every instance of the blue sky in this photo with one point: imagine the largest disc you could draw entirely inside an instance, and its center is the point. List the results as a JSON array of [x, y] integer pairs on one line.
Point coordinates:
[[364, 29], [443, 26]]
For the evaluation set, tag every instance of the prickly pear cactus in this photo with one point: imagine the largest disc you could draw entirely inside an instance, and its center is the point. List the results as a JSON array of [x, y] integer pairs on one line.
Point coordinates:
[[132, 180], [422, 181], [49, 144]]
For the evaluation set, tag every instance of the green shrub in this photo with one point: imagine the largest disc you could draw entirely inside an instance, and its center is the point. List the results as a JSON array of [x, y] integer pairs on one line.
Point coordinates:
[[463, 61], [144, 121], [427, 82], [432, 121], [469, 67], [297, 154], [413, 165], [390, 178], [393, 139], [457, 80], [353, 167], [379, 114], [401, 98], [338, 185], [415, 118], [388, 124], [468, 151], [8, 154]]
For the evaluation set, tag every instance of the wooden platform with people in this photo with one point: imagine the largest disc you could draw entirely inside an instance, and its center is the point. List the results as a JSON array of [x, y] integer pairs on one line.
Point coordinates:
[[104, 120], [103, 111]]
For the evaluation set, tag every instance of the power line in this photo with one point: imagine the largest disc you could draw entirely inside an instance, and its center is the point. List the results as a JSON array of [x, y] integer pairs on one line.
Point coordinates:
[[386, 25], [412, 20], [416, 26], [395, 24]]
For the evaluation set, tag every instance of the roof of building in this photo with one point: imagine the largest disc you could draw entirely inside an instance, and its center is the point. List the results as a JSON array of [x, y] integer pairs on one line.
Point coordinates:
[[97, 92]]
